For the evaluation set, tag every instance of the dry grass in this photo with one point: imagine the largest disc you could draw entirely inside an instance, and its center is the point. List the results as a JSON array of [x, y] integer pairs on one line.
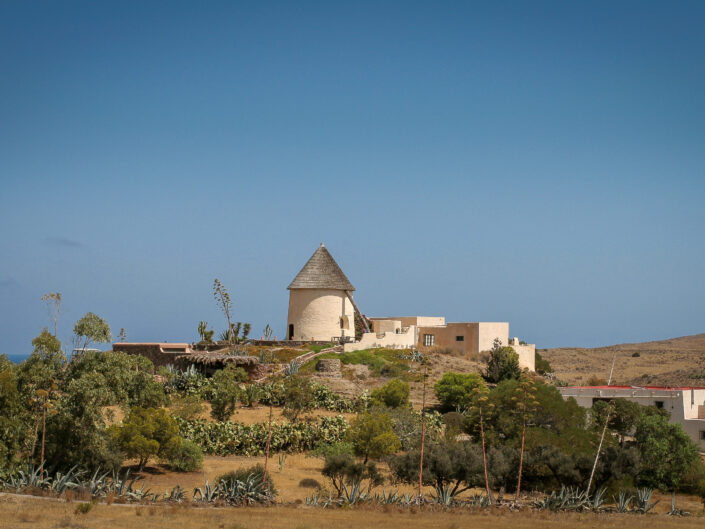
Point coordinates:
[[674, 362], [14, 510]]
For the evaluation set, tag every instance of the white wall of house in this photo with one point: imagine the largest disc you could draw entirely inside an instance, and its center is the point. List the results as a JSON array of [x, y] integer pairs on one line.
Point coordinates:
[[392, 340], [686, 406]]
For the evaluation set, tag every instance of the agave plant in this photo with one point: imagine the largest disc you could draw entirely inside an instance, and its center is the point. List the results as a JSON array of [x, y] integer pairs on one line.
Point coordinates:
[[175, 495], [353, 493], [479, 500], [643, 500], [63, 482], [598, 500], [444, 496], [623, 501], [206, 494]]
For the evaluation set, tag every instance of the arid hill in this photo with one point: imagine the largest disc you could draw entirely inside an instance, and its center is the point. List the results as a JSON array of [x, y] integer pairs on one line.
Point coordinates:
[[672, 362]]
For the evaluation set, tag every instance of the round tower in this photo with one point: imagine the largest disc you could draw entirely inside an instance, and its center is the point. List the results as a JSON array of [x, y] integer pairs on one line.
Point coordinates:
[[320, 301]]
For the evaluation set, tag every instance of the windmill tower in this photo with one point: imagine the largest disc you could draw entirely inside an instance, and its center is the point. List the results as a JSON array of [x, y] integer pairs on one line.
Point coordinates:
[[320, 301]]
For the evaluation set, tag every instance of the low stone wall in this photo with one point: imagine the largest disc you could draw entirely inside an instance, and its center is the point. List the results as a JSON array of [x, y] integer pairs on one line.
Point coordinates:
[[328, 365]]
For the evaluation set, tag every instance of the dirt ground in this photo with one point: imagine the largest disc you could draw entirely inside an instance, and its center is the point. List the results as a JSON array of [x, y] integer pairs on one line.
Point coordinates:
[[674, 362], [20, 512]]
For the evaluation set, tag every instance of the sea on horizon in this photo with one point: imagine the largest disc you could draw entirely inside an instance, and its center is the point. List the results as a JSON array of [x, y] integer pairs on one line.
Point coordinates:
[[17, 358]]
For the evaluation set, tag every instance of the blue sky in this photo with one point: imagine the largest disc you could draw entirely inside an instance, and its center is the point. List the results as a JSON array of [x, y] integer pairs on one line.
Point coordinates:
[[541, 163]]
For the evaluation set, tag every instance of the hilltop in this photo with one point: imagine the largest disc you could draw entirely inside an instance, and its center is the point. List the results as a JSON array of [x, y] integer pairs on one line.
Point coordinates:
[[671, 362]]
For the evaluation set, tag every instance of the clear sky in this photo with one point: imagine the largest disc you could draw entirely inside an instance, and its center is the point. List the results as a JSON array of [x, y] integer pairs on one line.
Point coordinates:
[[541, 163]]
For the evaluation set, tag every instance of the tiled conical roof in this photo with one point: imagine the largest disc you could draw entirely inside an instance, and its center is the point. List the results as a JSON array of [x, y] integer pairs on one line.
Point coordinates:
[[321, 271]]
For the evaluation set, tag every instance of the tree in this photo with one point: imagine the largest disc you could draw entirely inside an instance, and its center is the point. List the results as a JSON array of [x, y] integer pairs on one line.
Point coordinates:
[[222, 297], [503, 363], [454, 390], [226, 391], [450, 467], [482, 406], [666, 452], [394, 394], [623, 416], [298, 396], [372, 435], [542, 365], [267, 332], [122, 335], [76, 433], [346, 473], [525, 405], [12, 429], [91, 328], [147, 433], [128, 378], [53, 301], [246, 328]]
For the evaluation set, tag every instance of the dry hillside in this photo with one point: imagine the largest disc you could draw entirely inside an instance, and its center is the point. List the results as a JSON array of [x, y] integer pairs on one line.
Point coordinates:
[[673, 362]]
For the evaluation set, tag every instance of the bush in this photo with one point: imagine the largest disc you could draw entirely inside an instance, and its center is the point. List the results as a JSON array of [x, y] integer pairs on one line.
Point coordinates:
[[185, 456], [636, 355], [542, 365], [245, 473], [309, 483], [298, 396], [393, 394], [145, 433], [372, 435], [503, 363], [454, 390]]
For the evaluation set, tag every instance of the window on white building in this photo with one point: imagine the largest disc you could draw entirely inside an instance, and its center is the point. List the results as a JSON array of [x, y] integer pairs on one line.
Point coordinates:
[[658, 404], [429, 339], [702, 435]]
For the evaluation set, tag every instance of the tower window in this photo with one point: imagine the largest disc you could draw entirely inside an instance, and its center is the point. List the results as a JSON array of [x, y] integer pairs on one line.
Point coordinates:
[[460, 338], [429, 339], [658, 404]]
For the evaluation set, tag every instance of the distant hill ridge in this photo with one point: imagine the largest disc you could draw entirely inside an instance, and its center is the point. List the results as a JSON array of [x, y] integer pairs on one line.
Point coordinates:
[[674, 361]]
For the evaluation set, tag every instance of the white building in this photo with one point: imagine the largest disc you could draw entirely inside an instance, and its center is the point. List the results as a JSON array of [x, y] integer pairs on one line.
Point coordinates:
[[686, 405]]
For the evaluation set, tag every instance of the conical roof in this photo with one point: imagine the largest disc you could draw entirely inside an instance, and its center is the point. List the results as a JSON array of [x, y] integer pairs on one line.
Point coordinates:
[[321, 271]]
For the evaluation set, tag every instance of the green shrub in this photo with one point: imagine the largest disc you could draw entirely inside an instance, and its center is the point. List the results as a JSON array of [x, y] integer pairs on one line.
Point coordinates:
[[146, 433], [245, 473], [454, 390], [185, 456], [393, 394], [542, 365], [503, 363]]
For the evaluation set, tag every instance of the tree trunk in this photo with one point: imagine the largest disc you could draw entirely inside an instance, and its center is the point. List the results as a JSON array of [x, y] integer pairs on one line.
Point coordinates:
[[44, 431], [484, 458], [423, 434], [599, 449], [269, 441], [34, 440], [521, 453]]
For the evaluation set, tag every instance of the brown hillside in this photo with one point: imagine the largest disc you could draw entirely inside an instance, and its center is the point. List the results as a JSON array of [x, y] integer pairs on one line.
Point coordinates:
[[672, 362]]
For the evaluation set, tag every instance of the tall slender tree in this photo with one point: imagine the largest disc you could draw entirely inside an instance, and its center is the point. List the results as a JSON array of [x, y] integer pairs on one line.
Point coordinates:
[[53, 301], [525, 402]]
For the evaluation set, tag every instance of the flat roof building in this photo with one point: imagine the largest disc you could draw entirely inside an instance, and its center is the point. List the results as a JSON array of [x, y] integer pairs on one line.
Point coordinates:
[[685, 405]]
